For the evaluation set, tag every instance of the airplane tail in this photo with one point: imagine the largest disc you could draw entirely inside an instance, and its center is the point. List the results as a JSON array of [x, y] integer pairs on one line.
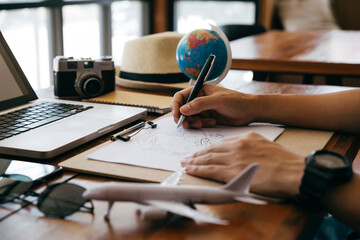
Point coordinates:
[[241, 183]]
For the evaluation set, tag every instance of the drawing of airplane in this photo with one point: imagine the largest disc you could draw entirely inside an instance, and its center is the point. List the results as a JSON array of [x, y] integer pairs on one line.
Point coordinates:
[[178, 199]]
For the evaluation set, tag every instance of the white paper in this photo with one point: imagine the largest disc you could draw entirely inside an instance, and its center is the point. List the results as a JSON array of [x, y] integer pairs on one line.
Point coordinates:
[[165, 146]]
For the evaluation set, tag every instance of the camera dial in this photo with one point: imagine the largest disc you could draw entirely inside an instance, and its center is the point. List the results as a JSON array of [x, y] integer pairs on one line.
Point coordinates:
[[89, 84], [106, 58]]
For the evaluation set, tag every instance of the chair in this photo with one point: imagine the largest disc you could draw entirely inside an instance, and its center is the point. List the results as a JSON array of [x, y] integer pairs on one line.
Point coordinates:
[[235, 31]]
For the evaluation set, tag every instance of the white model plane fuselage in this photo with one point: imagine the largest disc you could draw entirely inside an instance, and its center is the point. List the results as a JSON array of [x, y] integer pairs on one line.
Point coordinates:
[[147, 191], [175, 198]]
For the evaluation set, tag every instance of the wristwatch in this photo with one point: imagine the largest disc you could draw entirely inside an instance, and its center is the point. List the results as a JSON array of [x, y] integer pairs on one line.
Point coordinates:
[[323, 170]]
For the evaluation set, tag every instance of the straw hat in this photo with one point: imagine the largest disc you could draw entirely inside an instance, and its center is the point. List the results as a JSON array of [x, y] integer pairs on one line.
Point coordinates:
[[149, 63]]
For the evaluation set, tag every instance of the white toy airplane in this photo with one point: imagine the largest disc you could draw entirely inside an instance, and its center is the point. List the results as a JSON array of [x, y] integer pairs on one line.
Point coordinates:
[[176, 199]]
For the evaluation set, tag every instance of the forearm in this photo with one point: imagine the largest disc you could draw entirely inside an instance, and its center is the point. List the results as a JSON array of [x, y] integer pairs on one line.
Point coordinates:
[[343, 202], [335, 111]]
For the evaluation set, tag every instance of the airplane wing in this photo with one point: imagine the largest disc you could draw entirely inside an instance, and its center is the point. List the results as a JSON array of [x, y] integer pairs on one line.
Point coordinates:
[[156, 208], [148, 212], [173, 179], [186, 211], [250, 199]]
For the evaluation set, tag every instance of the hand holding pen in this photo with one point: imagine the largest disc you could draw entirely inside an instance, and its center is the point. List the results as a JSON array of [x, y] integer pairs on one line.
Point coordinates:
[[203, 76]]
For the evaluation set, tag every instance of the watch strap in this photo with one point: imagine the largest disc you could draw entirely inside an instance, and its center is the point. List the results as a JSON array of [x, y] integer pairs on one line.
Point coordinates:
[[312, 189], [317, 179]]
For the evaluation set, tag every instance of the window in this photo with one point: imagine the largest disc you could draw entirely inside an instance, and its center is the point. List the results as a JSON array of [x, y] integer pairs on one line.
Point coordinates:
[[38, 30], [190, 15], [81, 31], [25, 30], [128, 22], [36, 34]]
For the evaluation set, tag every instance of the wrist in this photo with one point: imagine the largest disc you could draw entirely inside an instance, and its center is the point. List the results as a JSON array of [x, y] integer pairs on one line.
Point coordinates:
[[294, 180], [324, 171], [293, 174], [262, 105], [257, 106]]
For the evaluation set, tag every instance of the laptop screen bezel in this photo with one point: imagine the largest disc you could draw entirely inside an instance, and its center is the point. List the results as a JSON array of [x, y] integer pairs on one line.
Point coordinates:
[[19, 76]]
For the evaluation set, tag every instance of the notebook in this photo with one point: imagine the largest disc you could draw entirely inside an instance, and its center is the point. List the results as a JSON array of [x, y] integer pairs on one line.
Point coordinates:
[[156, 104], [44, 128]]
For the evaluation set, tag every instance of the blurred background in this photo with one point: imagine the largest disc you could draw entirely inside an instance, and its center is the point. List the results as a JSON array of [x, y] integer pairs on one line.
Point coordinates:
[[39, 30]]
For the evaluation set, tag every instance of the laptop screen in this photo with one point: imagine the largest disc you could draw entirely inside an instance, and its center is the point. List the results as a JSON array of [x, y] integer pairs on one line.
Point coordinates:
[[15, 90]]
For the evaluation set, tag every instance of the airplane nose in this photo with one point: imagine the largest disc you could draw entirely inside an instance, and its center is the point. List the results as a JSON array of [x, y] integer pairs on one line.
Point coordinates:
[[86, 194], [90, 194]]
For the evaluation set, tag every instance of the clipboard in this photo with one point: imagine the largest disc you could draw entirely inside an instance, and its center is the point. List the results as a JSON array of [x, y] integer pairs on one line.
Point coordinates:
[[81, 164], [301, 141]]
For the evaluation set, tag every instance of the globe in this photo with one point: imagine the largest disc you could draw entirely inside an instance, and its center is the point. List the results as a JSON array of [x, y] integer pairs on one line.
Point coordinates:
[[195, 47]]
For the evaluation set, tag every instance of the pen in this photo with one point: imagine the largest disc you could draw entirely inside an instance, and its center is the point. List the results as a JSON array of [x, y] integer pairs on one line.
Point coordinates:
[[204, 74]]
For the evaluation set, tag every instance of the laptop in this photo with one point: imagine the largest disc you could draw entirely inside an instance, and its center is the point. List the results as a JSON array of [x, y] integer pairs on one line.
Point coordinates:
[[45, 128]]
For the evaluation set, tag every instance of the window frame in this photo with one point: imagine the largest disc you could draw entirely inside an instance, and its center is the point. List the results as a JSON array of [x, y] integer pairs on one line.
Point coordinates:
[[164, 10], [158, 17], [55, 22]]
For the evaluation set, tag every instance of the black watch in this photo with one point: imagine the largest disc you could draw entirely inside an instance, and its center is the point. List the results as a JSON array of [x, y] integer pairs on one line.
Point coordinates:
[[323, 169]]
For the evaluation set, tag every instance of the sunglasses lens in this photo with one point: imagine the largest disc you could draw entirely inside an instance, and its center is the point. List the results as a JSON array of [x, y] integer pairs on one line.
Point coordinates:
[[12, 186], [61, 200]]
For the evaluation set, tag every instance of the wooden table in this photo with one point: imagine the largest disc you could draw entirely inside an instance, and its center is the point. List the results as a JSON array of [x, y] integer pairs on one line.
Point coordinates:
[[273, 221], [332, 53]]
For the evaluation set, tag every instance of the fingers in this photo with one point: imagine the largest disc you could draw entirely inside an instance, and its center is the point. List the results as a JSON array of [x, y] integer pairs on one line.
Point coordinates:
[[178, 100], [199, 104], [216, 172], [224, 160], [196, 114], [208, 122], [249, 137], [198, 122], [215, 151], [216, 154], [206, 158]]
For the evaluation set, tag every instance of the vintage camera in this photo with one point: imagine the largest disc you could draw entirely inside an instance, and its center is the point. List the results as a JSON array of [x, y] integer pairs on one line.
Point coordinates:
[[83, 77]]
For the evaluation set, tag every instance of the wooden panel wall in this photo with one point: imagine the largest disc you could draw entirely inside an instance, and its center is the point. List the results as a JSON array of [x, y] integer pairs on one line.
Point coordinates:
[[161, 16], [266, 13]]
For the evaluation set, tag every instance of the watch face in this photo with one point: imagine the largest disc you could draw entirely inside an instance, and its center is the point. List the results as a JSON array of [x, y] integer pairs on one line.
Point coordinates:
[[329, 161]]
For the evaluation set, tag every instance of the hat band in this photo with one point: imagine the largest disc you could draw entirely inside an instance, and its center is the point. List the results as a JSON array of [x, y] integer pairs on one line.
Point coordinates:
[[155, 78]]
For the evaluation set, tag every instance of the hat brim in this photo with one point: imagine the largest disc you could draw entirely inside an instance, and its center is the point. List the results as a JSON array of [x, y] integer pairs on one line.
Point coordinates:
[[149, 86]]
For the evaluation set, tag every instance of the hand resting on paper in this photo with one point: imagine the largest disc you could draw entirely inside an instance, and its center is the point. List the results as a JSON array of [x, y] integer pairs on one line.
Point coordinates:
[[279, 173]]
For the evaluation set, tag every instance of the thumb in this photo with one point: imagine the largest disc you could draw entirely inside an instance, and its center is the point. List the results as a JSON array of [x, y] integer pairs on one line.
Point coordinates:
[[199, 104]]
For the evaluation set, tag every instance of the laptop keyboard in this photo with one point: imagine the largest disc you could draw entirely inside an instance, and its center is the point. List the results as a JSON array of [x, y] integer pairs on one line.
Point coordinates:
[[34, 116]]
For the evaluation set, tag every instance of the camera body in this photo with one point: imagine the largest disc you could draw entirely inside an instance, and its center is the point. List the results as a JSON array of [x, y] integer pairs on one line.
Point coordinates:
[[83, 77]]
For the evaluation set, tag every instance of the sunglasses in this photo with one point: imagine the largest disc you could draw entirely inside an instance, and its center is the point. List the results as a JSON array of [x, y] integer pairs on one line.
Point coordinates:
[[58, 200]]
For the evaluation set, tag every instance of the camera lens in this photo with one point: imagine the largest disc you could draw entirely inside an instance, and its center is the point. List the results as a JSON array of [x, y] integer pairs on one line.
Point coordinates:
[[89, 84], [92, 86]]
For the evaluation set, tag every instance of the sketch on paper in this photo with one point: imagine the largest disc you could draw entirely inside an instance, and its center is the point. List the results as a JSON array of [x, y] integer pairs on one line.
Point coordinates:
[[177, 142], [164, 147]]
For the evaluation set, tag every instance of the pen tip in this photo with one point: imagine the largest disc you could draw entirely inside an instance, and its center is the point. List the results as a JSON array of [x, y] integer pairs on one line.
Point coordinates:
[[181, 120]]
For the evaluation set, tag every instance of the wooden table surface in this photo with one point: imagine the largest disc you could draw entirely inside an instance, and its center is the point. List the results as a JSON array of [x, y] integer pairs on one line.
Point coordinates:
[[307, 52], [272, 221]]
